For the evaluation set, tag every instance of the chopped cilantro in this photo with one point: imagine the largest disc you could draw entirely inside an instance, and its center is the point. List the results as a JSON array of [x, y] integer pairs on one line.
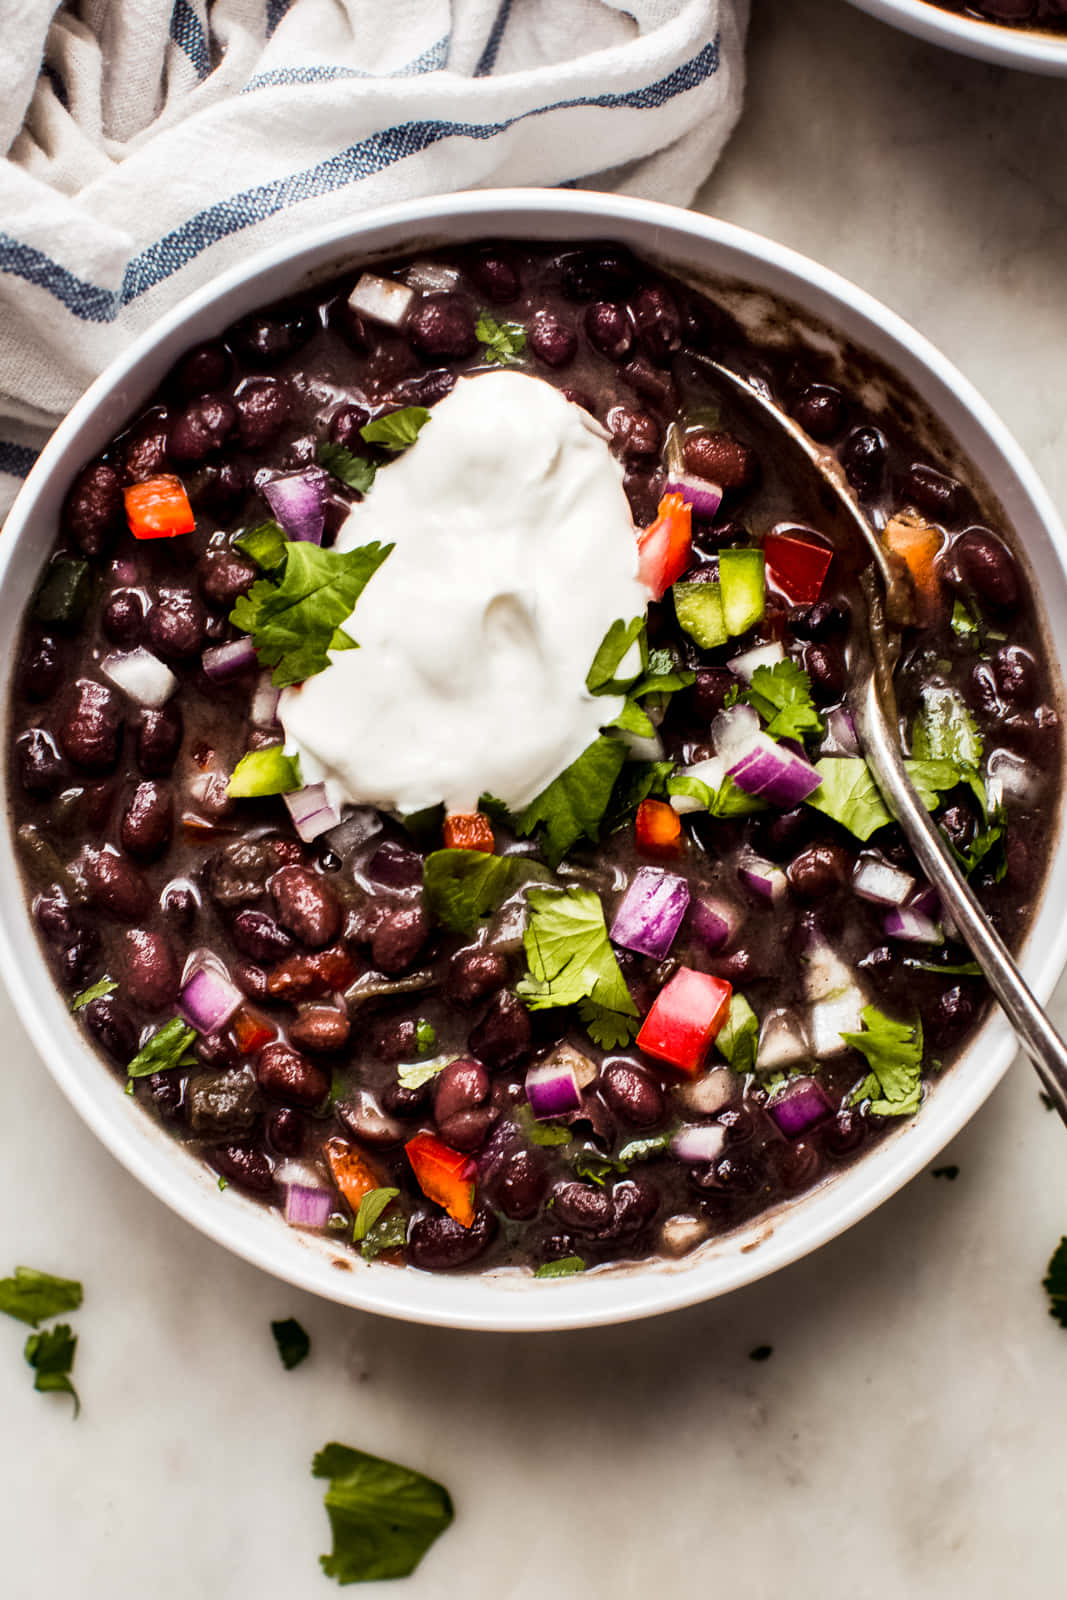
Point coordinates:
[[849, 795], [990, 842], [945, 730], [739, 1035], [894, 1052], [383, 1517], [563, 1268], [965, 623], [962, 969], [782, 696], [397, 430], [607, 1028], [390, 1232], [503, 342], [644, 1149], [662, 675], [370, 1209], [170, 1046], [595, 1168], [950, 1172], [637, 781], [762, 1352], [95, 991], [631, 719], [264, 544], [570, 957], [355, 472], [293, 1342], [461, 886], [620, 639], [546, 1134], [1056, 1284], [425, 1036], [295, 621], [573, 805], [413, 1074], [51, 1355], [33, 1296], [264, 772]]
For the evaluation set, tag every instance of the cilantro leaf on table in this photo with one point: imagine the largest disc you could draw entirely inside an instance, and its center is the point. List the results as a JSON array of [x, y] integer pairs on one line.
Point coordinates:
[[292, 1341], [295, 621], [461, 886], [355, 472], [849, 795], [398, 429], [264, 772], [573, 805], [264, 544], [782, 696], [503, 342], [613, 649], [51, 1355], [370, 1209], [170, 1046], [894, 1052], [33, 1296], [383, 1517], [570, 955], [563, 1267], [739, 1035], [1055, 1282], [96, 991]]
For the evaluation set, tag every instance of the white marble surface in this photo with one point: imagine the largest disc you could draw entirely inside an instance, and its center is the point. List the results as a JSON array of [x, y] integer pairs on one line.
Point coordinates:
[[906, 1438]]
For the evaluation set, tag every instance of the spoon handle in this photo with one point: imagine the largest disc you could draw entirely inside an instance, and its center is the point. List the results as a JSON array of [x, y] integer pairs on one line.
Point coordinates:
[[1036, 1034]]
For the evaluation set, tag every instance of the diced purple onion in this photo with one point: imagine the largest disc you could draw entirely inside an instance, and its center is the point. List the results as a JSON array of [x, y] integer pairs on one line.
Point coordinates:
[[552, 1089], [312, 811], [297, 502], [700, 1141], [306, 1207], [382, 300], [877, 880], [766, 881], [912, 926], [733, 730], [774, 773], [799, 1107], [264, 712], [927, 902], [763, 655], [141, 675], [840, 737], [223, 661], [651, 912], [713, 921], [705, 498], [208, 999]]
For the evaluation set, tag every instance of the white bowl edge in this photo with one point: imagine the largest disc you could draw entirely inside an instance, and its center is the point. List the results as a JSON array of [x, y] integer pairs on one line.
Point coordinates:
[[985, 41]]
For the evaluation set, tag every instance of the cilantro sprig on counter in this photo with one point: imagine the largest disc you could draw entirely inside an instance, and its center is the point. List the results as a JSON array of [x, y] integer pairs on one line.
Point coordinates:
[[894, 1053], [1055, 1283], [383, 1517], [292, 1341], [571, 962], [51, 1355], [33, 1297]]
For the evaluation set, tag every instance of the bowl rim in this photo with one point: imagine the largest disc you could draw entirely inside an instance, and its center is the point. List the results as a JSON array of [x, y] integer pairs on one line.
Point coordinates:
[[986, 41], [501, 1301]]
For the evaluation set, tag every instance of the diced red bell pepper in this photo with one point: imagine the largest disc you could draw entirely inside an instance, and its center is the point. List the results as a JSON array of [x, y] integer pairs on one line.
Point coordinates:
[[918, 545], [351, 1174], [468, 830], [251, 1031], [158, 508], [797, 564], [310, 976], [685, 1017], [664, 548], [444, 1175], [658, 829]]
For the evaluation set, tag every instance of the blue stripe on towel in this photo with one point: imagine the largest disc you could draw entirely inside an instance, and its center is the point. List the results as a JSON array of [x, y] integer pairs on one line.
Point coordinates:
[[429, 61], [188, 34], [16, 459], [493, 43]]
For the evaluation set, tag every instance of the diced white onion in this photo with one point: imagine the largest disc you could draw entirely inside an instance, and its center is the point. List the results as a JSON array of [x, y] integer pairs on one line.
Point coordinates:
[[782, 1042], [764, 655], [877, 880], [382, 300], [141, 675]]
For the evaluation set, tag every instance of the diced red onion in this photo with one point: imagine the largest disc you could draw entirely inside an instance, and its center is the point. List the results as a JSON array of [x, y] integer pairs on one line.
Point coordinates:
[[840, 736], [297, 502], [927, 901], [264, 713], [699, 1142], [713, 921], [552, 1088], [774, 773], [306, 1207], [763, 655], [651, 912], [705, 498], [766, 881], [732, 731], [208, 999], [312, 811], [223, 661], [141, 675], [382, 300], [877, 880], [914, 924], [799, 1107]]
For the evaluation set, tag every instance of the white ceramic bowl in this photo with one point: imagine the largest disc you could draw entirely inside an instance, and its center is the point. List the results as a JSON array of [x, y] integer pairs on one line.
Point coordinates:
[[690, 245], [1033, 51]]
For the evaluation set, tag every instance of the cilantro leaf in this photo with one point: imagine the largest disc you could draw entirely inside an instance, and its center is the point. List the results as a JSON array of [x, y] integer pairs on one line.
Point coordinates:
[[644, 1149], [170, 1046], [425, 1036], [295, 621], [569, 953], [504, 341], [370, 1209], [264, 544], [264, 772], [413, 1074], [611, 652], [33, 1296], [572, 807], [965, 624], [607, 1028], [356, 472], [983, 845], [662, 676], [849, 795], [631, 719], [95, 991], [51, 1355], [636, 782], [390, 1232], [738, 1037], [293, 1342], [462, 885], [963, 969], [383, 1517], [397, 430], [945, 730], [730, 801], [894, 1052], [1055, 1282], [782, 696], [563, 1267]]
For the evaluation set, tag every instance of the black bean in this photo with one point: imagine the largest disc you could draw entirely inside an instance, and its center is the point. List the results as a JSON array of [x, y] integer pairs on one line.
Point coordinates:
[[265, 340], [504, 1033], [519, 1187], [286, 1131], [960, 825], [709, 692], [288, 1075], [218, 1050], [201, 428], [1016, 674], [166, 1090], [462, 1085], [320, 1029], [583, 1207], [112, 1027], [90, 726], [423, 390], [635, 1202], [399, 938], [406, 1103], [263, 406], [76, 959], [824, 620], [934, 493], [223, 577], [218, 488], [176, 625], [634, 433], [608, 330], [439, 1243], [551, 340], [787, 833], [795, 1163], [145, 452], [55, 918], [817, 872], [819, 409], [258, 936], [632, 1094], [951, 1014], [395, 865], [345, 425], [147, 821], [41, 671], [93, 511], [159, 738], [741, 966], [468, 1130], [115, 884], [658, 322], [497, 274], [41, 768], [306, 906], [864, 457], [206, 367], [395, 1040], [151, 970], [250, 979], [722, 458], [600, 272], [245, 1167], [985, 566], [845, 1133], [825, 665], [643, 485], [651, 384], [441, 327], [472, 974]]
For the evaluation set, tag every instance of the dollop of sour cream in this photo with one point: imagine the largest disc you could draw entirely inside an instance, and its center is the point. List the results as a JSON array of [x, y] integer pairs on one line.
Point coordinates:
[[514, 553]]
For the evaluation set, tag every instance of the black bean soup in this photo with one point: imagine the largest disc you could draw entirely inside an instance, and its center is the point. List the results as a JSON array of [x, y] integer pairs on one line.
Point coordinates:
[[1049, 16], [370, 1077]]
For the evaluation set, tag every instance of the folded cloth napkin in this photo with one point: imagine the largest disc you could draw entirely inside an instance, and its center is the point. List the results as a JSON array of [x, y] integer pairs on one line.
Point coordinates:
[[153, 143]]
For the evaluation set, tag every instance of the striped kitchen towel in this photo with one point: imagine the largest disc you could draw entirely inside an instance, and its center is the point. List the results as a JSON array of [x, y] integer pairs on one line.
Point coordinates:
[[153, 143]]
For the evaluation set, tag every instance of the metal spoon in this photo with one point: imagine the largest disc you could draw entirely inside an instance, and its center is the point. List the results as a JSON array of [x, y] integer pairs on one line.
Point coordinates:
[[871, 697]]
